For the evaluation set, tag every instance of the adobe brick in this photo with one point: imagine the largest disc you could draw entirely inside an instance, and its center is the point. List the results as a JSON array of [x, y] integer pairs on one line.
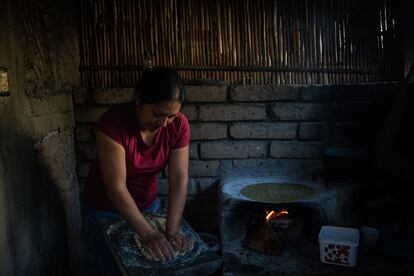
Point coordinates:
[[311, 131], [274, 166], [206, 93], [304, 112], [190, 111], [295, 149], [208, 131], [264, 93], [199, 168], [232, 112], [263, 130], [233, 149], [193, 150]]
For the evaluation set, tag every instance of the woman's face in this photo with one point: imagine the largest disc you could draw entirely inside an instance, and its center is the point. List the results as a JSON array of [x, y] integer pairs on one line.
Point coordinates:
[[152, 117]]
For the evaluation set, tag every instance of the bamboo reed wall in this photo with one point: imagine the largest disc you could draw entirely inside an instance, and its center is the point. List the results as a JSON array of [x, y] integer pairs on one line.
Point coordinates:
[[239, 41]]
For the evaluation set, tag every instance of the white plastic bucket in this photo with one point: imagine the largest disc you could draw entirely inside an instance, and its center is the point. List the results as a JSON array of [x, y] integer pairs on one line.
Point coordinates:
[[338, 245]]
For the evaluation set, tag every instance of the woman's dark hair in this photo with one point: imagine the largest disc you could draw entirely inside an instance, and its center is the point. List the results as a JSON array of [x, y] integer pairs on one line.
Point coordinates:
[[160, 85]]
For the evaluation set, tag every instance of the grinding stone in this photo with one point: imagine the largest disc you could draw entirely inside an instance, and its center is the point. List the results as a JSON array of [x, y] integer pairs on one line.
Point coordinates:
[[200, 261]]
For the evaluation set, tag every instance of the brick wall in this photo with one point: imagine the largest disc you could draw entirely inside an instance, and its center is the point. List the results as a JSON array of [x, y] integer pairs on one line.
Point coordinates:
[[251, 130]]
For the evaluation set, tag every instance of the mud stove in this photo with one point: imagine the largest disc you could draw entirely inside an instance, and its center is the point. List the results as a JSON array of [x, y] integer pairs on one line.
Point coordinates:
[[269, 228]]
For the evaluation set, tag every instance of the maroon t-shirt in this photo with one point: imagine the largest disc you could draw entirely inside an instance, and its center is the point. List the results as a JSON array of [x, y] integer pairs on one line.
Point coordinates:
[[143, 163]]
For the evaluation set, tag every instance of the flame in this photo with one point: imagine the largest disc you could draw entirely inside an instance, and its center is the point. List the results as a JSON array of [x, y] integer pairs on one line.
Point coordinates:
[[274, 214]]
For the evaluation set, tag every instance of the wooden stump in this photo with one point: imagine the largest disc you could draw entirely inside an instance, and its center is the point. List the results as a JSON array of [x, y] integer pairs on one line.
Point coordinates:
[[264, 240]]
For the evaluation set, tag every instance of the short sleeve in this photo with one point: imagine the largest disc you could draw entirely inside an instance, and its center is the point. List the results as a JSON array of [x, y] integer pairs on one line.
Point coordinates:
[[183, 138], [110, 126]]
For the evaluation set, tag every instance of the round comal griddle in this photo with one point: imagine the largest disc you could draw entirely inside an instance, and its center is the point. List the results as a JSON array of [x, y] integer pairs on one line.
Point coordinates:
[[277, 192]]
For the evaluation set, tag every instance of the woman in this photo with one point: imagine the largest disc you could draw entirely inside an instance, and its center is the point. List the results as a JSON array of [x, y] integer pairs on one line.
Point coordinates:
[[134, 142]]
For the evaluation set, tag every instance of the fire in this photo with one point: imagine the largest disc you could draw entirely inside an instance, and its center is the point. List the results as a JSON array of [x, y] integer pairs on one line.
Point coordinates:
[[274, 214]]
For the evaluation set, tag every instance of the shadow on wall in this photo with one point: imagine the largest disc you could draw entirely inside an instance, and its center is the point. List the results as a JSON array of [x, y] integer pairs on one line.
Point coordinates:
[[36, 206], [201, 210]]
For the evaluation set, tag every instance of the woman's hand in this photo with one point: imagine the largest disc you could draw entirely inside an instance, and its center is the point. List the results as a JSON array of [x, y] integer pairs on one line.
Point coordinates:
[[180, 242], [158, 246]]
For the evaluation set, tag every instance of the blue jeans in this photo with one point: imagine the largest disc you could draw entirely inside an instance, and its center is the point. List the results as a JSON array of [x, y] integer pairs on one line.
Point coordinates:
[[105, 261]]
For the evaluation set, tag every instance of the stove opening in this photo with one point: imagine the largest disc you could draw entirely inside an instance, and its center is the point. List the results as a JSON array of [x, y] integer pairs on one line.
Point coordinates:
[[270, 230]]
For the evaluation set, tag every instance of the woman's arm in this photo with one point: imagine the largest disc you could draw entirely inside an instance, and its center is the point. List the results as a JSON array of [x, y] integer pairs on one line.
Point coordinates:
[[177, 194], [111, 158]]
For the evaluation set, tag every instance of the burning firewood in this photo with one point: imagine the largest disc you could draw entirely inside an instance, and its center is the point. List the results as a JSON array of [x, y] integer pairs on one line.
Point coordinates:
[[278, 228], [264, 240]]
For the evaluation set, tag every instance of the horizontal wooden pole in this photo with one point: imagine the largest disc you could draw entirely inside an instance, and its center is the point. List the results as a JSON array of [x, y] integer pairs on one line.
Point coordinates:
[[235, 68]]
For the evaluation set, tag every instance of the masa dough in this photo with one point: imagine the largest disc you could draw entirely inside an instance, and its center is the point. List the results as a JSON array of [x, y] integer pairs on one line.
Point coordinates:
[[159, 224]]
